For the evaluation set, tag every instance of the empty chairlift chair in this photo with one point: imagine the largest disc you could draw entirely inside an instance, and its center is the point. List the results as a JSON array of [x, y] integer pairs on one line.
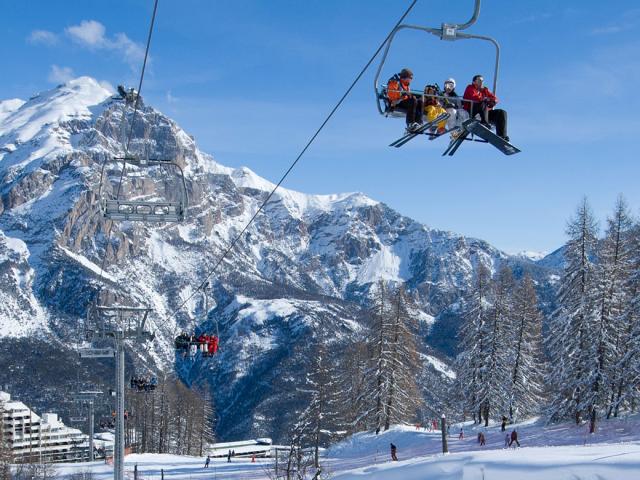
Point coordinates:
[[129, 180]]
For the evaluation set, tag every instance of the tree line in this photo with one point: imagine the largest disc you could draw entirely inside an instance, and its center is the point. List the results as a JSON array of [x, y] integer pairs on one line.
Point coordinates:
[[173, 418], [580, 361]]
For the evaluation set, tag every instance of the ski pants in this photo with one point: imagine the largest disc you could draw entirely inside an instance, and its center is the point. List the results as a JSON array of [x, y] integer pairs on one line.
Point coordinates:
[[496, 116], [514, 441], [456, 117], [414, 106]]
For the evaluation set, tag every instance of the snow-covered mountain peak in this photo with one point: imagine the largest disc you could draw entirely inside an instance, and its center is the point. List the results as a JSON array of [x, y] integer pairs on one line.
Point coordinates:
[[70, 100], [297, 203]]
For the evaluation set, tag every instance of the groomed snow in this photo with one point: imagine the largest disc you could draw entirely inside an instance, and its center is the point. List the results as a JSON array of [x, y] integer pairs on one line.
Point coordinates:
[[558, 452]]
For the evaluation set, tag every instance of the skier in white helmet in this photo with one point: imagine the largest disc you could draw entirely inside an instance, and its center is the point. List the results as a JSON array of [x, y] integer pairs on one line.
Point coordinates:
[[453, 105]]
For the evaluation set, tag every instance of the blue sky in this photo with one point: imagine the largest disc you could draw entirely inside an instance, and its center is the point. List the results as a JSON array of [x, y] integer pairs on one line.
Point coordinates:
[[252, 80]]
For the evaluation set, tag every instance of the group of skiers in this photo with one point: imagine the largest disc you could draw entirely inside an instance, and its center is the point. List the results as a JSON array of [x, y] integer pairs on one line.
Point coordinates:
[[143, 384], [190, 345], [511, 439], [477, 100]]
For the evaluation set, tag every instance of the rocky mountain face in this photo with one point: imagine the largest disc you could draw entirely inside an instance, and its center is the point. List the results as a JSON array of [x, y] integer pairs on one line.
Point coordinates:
[[304, 268]]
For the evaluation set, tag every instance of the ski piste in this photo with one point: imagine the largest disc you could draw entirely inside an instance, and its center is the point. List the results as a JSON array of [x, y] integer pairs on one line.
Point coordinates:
[[475, 127], [423, 128]]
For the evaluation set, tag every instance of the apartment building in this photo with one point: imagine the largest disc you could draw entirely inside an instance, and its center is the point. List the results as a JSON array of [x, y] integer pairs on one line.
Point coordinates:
[[34, 438]]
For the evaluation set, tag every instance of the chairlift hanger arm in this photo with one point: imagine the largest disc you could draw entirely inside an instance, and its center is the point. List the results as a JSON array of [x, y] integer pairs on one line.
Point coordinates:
[[472, 20], [439, 33]]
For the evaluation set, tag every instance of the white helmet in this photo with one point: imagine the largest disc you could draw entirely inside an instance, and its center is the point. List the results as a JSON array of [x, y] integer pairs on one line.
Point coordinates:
[[451, 81]]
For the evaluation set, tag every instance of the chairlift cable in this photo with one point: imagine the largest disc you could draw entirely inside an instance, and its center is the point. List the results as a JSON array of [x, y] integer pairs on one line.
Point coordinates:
[[130, 136], [300, 155]]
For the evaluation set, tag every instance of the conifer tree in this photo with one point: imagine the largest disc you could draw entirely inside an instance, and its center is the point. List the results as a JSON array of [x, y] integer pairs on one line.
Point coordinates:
[[402, 394], [497, 341], [321, 416], [526, 387], [472, 345], [569, 339], [611, 299]]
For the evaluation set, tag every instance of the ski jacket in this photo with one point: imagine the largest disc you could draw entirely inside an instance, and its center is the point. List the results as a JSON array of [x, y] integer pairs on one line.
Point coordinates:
[[478, 95], [452, 99], [395, 88], [514, 435]]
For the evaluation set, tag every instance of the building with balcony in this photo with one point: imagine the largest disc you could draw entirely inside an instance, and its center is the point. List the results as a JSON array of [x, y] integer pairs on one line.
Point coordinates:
[[34, 438]]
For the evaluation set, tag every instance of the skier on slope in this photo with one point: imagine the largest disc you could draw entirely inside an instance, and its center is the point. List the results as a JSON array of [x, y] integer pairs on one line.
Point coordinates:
[[207, 461], [400, 98], [514, 439], [394, 451], [461, 435], [503, 425], [481, 439], [480, 101]]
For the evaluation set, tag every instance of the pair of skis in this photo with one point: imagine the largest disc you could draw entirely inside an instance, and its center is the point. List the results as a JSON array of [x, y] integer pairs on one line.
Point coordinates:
[[476, 128], [423, 129], [469, 127]]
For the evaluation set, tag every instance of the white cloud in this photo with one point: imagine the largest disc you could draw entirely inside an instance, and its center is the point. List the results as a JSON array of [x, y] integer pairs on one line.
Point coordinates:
[[92, 34], [89, 34], [60, 74], [42, 37]]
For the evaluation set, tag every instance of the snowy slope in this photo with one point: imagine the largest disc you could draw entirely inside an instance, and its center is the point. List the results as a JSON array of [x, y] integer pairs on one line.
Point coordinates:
[[553, 453]]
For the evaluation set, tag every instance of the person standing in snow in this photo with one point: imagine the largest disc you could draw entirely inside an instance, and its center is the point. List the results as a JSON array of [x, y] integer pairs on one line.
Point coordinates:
[[503, 425], [461, 435], [229, 457], [481, 439], [394, 450], [507, 438], [207, 461], [514, 438]]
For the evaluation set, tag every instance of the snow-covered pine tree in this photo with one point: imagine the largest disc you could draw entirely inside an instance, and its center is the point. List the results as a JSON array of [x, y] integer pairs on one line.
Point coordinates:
[[496, 337], [611, 301], [206, 429], [378, 341], [569, 342], [626, 366], [402, 393], [321, 416], [355, 384], [527, 372], [472, 345]]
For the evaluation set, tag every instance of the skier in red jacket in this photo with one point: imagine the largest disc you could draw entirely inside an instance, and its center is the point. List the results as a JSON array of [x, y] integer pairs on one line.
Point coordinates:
[[481, 103]]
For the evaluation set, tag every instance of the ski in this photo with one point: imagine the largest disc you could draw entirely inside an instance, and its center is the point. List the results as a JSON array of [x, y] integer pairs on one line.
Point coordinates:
[[475, 127], [455, 143], [423, 128]]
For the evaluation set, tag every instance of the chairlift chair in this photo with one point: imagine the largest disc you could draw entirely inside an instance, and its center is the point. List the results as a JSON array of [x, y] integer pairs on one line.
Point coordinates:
[[151, 210], [105, 322], [447, 32]]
